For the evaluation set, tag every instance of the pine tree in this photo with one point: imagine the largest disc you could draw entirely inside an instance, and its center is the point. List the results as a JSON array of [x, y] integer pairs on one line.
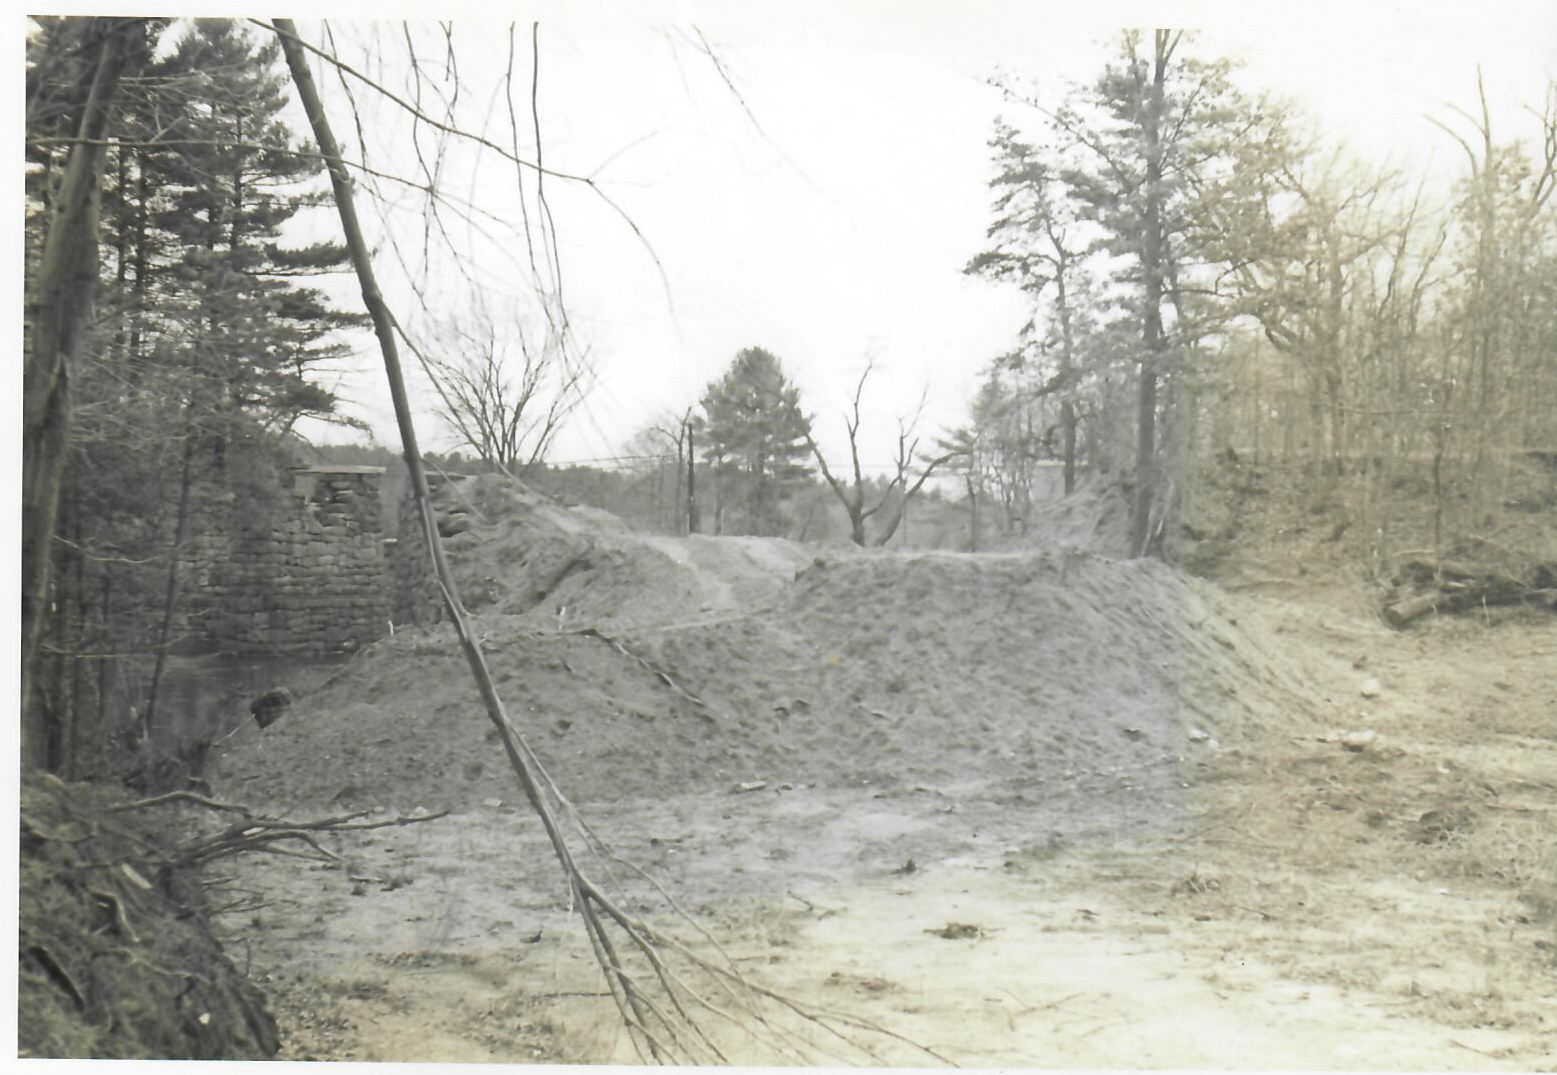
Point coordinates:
[[1158, 129], [58, 316], [234, 179], [1035, 245], [206, 343], [756, 440]]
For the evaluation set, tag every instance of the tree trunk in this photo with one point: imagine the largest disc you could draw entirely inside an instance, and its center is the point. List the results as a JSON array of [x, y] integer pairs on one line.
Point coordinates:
[[973, 517], [105, 664], [584, 897], [170, 594], [1333, 359], [1338, 440], [138, 305], [1068, 361], [1068, 423], [1146, 478], [857, 524], [72, 734], [121, 253], [1404, 612], [677, 517], [1259, 417], [58, 311]]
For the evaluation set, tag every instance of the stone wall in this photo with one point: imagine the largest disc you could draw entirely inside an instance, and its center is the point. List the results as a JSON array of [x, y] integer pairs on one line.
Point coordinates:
[[416, 597], [307, 577]]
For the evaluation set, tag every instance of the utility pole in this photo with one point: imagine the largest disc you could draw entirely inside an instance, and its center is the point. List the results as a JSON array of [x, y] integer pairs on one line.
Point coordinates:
[[686, 423]]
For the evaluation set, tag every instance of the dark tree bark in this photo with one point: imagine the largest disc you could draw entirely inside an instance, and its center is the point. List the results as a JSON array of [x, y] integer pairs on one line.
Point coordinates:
[[1068, 405], [59, 307], [973, 515]]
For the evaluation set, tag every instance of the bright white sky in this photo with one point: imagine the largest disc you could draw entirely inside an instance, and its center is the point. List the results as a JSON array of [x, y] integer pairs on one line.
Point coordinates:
[[841, 228]]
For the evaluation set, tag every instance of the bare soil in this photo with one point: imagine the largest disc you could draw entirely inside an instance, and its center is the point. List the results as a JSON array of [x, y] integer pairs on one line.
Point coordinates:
[[1048, 810]]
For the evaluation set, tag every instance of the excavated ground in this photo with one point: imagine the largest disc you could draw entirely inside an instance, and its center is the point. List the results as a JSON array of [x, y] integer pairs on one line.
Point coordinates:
[[765, 664], [1126, 791]]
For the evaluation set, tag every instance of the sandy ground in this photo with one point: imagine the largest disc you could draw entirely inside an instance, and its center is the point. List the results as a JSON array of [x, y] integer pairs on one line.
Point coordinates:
[[1186, 869], [1226, 941]]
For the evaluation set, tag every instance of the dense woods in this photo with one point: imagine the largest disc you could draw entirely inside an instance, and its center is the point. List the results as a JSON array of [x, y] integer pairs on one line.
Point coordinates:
[[1215, 284]]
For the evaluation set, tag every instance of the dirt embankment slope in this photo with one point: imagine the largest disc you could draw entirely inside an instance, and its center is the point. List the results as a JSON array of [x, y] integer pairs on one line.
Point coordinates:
[[644, 665]]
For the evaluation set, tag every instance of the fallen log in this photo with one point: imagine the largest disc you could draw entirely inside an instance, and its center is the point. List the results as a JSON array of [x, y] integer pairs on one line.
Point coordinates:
[[1512, 570], [1424, 571], [1402, 613], [1456, 596]]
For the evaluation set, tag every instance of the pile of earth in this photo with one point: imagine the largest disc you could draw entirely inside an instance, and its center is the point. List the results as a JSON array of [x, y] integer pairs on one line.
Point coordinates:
[[116, 960], [656, 666], [517, 551]]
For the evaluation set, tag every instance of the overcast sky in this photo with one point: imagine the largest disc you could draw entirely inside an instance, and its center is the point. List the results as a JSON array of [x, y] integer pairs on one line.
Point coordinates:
[[834, 219]]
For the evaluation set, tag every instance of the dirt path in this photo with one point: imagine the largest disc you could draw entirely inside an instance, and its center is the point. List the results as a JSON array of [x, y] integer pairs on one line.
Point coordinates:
[[1285, 903], [1073, 959]]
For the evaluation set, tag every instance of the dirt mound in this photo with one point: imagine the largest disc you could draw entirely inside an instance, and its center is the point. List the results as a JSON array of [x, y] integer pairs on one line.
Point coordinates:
[[515, 551], [116, 959], [655, 665]]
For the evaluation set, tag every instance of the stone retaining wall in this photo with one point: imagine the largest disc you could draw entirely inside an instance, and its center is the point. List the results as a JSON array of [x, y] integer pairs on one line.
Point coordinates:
[[416, 597], [310, 579]]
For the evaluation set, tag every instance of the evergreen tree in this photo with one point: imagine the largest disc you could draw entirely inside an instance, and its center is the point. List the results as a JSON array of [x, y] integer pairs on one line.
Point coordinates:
[[59, 316], [1158, 130], [756, 441], [233, 179], [1036, 246]]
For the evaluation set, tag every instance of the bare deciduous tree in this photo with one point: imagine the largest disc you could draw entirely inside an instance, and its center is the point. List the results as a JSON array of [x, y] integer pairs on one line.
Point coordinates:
[[661, 454], [898, 491], [505, 393]]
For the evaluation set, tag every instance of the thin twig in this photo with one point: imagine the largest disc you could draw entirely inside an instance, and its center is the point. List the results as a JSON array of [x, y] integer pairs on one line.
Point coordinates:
[[182, 796]]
